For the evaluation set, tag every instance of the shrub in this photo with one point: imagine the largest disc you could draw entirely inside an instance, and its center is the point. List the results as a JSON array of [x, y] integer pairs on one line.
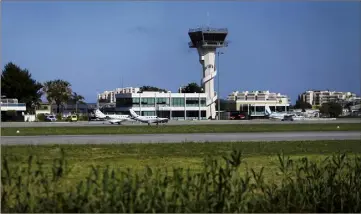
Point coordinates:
[[59, 117], [333, 185], [83, 117], [41, 117]]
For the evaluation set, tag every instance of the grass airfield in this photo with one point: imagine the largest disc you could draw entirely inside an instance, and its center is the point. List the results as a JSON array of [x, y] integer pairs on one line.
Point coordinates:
[[184, 155], [165, 129], [162, 176]]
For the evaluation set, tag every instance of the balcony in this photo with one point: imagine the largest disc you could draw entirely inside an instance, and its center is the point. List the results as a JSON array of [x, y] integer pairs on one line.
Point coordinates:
[[13, 107], [208, 44], [13, 104], [241, 98]]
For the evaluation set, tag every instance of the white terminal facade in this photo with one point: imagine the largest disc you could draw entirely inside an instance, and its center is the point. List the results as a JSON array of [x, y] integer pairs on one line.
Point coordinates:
[[254, 102], [176, 106]]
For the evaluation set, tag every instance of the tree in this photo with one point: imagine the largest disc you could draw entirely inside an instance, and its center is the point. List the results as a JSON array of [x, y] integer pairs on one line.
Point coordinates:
[[301, 104], [192, 88], [58, 92], [331, 109], [77, 99], [17, 83], [151, 88], [349, 105]]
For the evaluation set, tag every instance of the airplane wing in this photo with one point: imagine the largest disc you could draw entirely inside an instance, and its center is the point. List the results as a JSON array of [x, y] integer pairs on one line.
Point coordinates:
[[112, 121], [164, 120]]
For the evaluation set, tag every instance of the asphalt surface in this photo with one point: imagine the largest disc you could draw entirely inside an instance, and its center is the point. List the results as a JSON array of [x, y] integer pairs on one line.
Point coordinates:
[[179, 138], [175, 122]]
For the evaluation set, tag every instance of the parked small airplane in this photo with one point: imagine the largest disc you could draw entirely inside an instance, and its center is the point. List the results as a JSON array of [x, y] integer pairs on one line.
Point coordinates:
[[148, 119], [112, 118], [276, 115]]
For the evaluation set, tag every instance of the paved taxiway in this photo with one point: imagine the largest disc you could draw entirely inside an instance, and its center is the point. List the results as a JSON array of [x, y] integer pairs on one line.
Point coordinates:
[[175, 122], [178, 138]]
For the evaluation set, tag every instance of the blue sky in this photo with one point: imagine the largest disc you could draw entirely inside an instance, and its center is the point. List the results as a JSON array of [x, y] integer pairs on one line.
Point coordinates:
[[285, 47]]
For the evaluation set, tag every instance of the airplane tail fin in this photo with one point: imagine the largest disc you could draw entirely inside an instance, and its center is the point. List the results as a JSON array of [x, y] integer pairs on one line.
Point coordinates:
[[268, 110], [132, 112], [99, 114]]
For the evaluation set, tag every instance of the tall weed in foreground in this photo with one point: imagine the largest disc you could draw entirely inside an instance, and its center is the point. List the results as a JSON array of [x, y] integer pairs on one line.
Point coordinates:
[[333, 185]]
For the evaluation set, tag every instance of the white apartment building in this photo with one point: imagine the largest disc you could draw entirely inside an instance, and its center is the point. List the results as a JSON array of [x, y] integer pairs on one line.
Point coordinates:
[[317, 98], [109, 96], [254, 102], [176, 106]]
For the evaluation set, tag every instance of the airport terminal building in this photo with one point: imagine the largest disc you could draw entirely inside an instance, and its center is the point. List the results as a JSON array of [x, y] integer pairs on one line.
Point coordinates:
[[175, 106]]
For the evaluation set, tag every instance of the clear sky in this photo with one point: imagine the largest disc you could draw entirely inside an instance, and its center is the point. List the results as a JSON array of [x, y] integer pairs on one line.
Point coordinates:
[[285, 47]]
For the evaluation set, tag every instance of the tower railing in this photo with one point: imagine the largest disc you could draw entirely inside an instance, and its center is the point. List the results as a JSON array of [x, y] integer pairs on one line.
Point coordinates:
[[205, 43]]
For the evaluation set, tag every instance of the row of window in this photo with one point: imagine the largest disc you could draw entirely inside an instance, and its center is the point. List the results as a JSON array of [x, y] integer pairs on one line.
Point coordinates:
[[255, 98], [180, 114], [262, 108], [129, 102]]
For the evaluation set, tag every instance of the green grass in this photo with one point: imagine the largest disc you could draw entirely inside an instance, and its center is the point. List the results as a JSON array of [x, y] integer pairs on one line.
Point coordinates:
[[227, 128], [257, 181], [163, 155]]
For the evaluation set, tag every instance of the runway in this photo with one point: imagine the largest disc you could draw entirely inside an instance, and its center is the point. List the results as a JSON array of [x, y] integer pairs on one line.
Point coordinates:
[[175, 122], [179, 138]]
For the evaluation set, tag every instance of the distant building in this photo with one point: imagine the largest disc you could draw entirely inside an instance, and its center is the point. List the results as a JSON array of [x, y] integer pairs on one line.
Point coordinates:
[[109, 96], [81, 108], [254, 102], [317, 98], [12, 110], [43, 108], [66, 109]]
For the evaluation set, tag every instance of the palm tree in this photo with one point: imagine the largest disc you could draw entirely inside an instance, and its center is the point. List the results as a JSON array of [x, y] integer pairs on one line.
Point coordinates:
[[76, 98], [57, 91], [35, 104]]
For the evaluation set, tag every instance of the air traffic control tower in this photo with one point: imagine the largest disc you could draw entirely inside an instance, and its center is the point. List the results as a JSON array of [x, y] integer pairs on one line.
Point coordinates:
[[207, 40]]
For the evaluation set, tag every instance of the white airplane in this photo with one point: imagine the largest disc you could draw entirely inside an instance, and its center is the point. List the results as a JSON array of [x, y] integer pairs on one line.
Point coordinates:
[[276, 115], [112, 118], [148, 119]]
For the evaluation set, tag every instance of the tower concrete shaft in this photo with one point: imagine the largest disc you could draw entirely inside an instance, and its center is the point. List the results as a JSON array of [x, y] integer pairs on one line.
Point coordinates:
[[207, 58], [207, 40]]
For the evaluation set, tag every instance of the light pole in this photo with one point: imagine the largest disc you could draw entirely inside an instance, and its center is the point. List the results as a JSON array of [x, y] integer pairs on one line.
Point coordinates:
[[219, 100]]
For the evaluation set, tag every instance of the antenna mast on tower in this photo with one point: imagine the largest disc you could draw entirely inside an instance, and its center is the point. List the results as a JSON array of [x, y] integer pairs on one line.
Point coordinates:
[[208, 20], [97, 99]]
